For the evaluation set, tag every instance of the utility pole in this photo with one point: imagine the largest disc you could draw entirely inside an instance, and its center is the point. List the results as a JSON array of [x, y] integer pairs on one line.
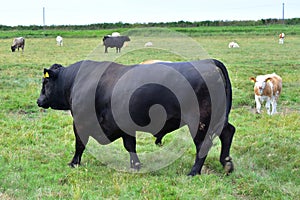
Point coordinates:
[[44, 18], [282, 13]]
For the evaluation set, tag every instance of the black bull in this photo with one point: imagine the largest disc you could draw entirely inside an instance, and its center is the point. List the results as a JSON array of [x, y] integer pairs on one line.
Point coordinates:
[[110, 101]]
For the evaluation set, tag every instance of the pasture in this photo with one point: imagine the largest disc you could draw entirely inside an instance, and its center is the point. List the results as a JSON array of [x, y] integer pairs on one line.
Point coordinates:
[[37, 144]]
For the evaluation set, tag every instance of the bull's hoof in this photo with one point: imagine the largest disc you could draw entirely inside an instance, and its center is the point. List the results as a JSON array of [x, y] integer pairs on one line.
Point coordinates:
[[158, 142], [193, 173], [136, 166], [228, 167], [73, 165]]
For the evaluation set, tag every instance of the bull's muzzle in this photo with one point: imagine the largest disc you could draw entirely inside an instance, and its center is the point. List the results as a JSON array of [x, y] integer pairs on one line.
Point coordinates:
[[41, 104]]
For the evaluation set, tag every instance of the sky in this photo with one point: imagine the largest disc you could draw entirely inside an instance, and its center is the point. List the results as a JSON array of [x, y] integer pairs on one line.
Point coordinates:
[[83, 12]]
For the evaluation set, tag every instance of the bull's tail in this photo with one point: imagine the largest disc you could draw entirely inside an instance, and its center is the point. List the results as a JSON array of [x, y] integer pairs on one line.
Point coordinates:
[[228, 89]]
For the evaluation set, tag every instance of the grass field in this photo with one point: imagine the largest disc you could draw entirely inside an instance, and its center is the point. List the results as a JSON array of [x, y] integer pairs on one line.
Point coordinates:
[[36, 145]]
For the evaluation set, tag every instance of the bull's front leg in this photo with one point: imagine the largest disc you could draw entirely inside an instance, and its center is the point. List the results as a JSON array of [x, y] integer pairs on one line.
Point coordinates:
[[129, 143], [80, 142]]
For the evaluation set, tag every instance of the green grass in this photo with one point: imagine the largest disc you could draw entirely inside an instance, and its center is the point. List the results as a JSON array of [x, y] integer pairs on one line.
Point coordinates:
[[36, 145]]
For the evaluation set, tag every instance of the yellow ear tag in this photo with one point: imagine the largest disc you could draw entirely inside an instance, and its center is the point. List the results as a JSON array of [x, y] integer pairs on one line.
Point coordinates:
[[268, 81], [46, 75]]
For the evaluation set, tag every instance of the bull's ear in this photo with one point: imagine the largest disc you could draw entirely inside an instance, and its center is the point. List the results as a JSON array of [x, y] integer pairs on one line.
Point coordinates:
[[46, 73], [252, 79]]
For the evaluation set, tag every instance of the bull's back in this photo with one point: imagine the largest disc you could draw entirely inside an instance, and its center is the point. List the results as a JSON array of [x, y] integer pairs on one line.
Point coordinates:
[[142, 98]]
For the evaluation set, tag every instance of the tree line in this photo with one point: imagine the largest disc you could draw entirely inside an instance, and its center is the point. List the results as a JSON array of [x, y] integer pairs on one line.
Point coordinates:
[[270, 21]]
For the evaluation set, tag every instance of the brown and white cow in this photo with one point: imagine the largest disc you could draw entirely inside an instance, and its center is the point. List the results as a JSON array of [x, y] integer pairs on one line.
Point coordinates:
[[267, 88], [154, 61]]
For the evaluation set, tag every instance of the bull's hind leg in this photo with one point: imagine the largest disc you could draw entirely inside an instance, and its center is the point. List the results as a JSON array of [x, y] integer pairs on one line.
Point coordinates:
[[79, 147], [129, 143], [199, 161], [226, 140]]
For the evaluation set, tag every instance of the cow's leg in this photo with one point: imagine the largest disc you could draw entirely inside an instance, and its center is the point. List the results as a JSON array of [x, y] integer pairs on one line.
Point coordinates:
[[226, 140], [105, 51], [199, 161], [79, 147], [274, 105], [258, 104], [129, 143], [268, 105]]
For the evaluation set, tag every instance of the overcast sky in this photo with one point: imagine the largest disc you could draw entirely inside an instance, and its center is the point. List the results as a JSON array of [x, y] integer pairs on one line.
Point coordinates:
[[81, 12]]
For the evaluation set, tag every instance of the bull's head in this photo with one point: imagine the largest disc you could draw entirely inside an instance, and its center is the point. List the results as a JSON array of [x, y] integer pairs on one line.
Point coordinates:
[[52, 90]]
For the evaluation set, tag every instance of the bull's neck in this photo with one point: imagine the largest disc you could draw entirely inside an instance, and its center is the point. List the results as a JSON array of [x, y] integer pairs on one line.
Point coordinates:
[[66, 79]]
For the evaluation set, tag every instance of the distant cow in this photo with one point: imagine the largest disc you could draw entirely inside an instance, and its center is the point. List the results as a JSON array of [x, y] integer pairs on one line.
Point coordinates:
[[59, 41], [93, 94], [154, 61], [281, 38], [115, 34], [267, 88], [233, 45], [114, 41], [148, 44], [18, 43]]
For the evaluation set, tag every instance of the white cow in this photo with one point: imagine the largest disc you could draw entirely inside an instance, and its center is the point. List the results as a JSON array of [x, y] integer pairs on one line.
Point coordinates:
[[148, 44], [59, 41], [233, 45], [267, 88], [115, 34]]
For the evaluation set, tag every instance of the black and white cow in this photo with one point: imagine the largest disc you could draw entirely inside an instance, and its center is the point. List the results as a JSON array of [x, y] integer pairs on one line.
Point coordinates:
[[18, 43], [115, 41], [95, 92]]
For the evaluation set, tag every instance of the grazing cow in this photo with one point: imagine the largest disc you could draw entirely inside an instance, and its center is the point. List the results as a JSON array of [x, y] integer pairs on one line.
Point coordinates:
[[59, 41], [281, 38], [117, 41], [93, 103], [18, 43], [233, 45], [267, 88], [148, 44]]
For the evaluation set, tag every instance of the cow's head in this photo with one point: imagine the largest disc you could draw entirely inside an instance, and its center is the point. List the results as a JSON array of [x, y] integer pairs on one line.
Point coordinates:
[[13, 48], [126, 38], [52, 90], [259, 83]]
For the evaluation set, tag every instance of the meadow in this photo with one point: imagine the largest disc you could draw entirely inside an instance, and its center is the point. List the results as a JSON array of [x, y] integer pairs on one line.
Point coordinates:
[[37, 144]]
